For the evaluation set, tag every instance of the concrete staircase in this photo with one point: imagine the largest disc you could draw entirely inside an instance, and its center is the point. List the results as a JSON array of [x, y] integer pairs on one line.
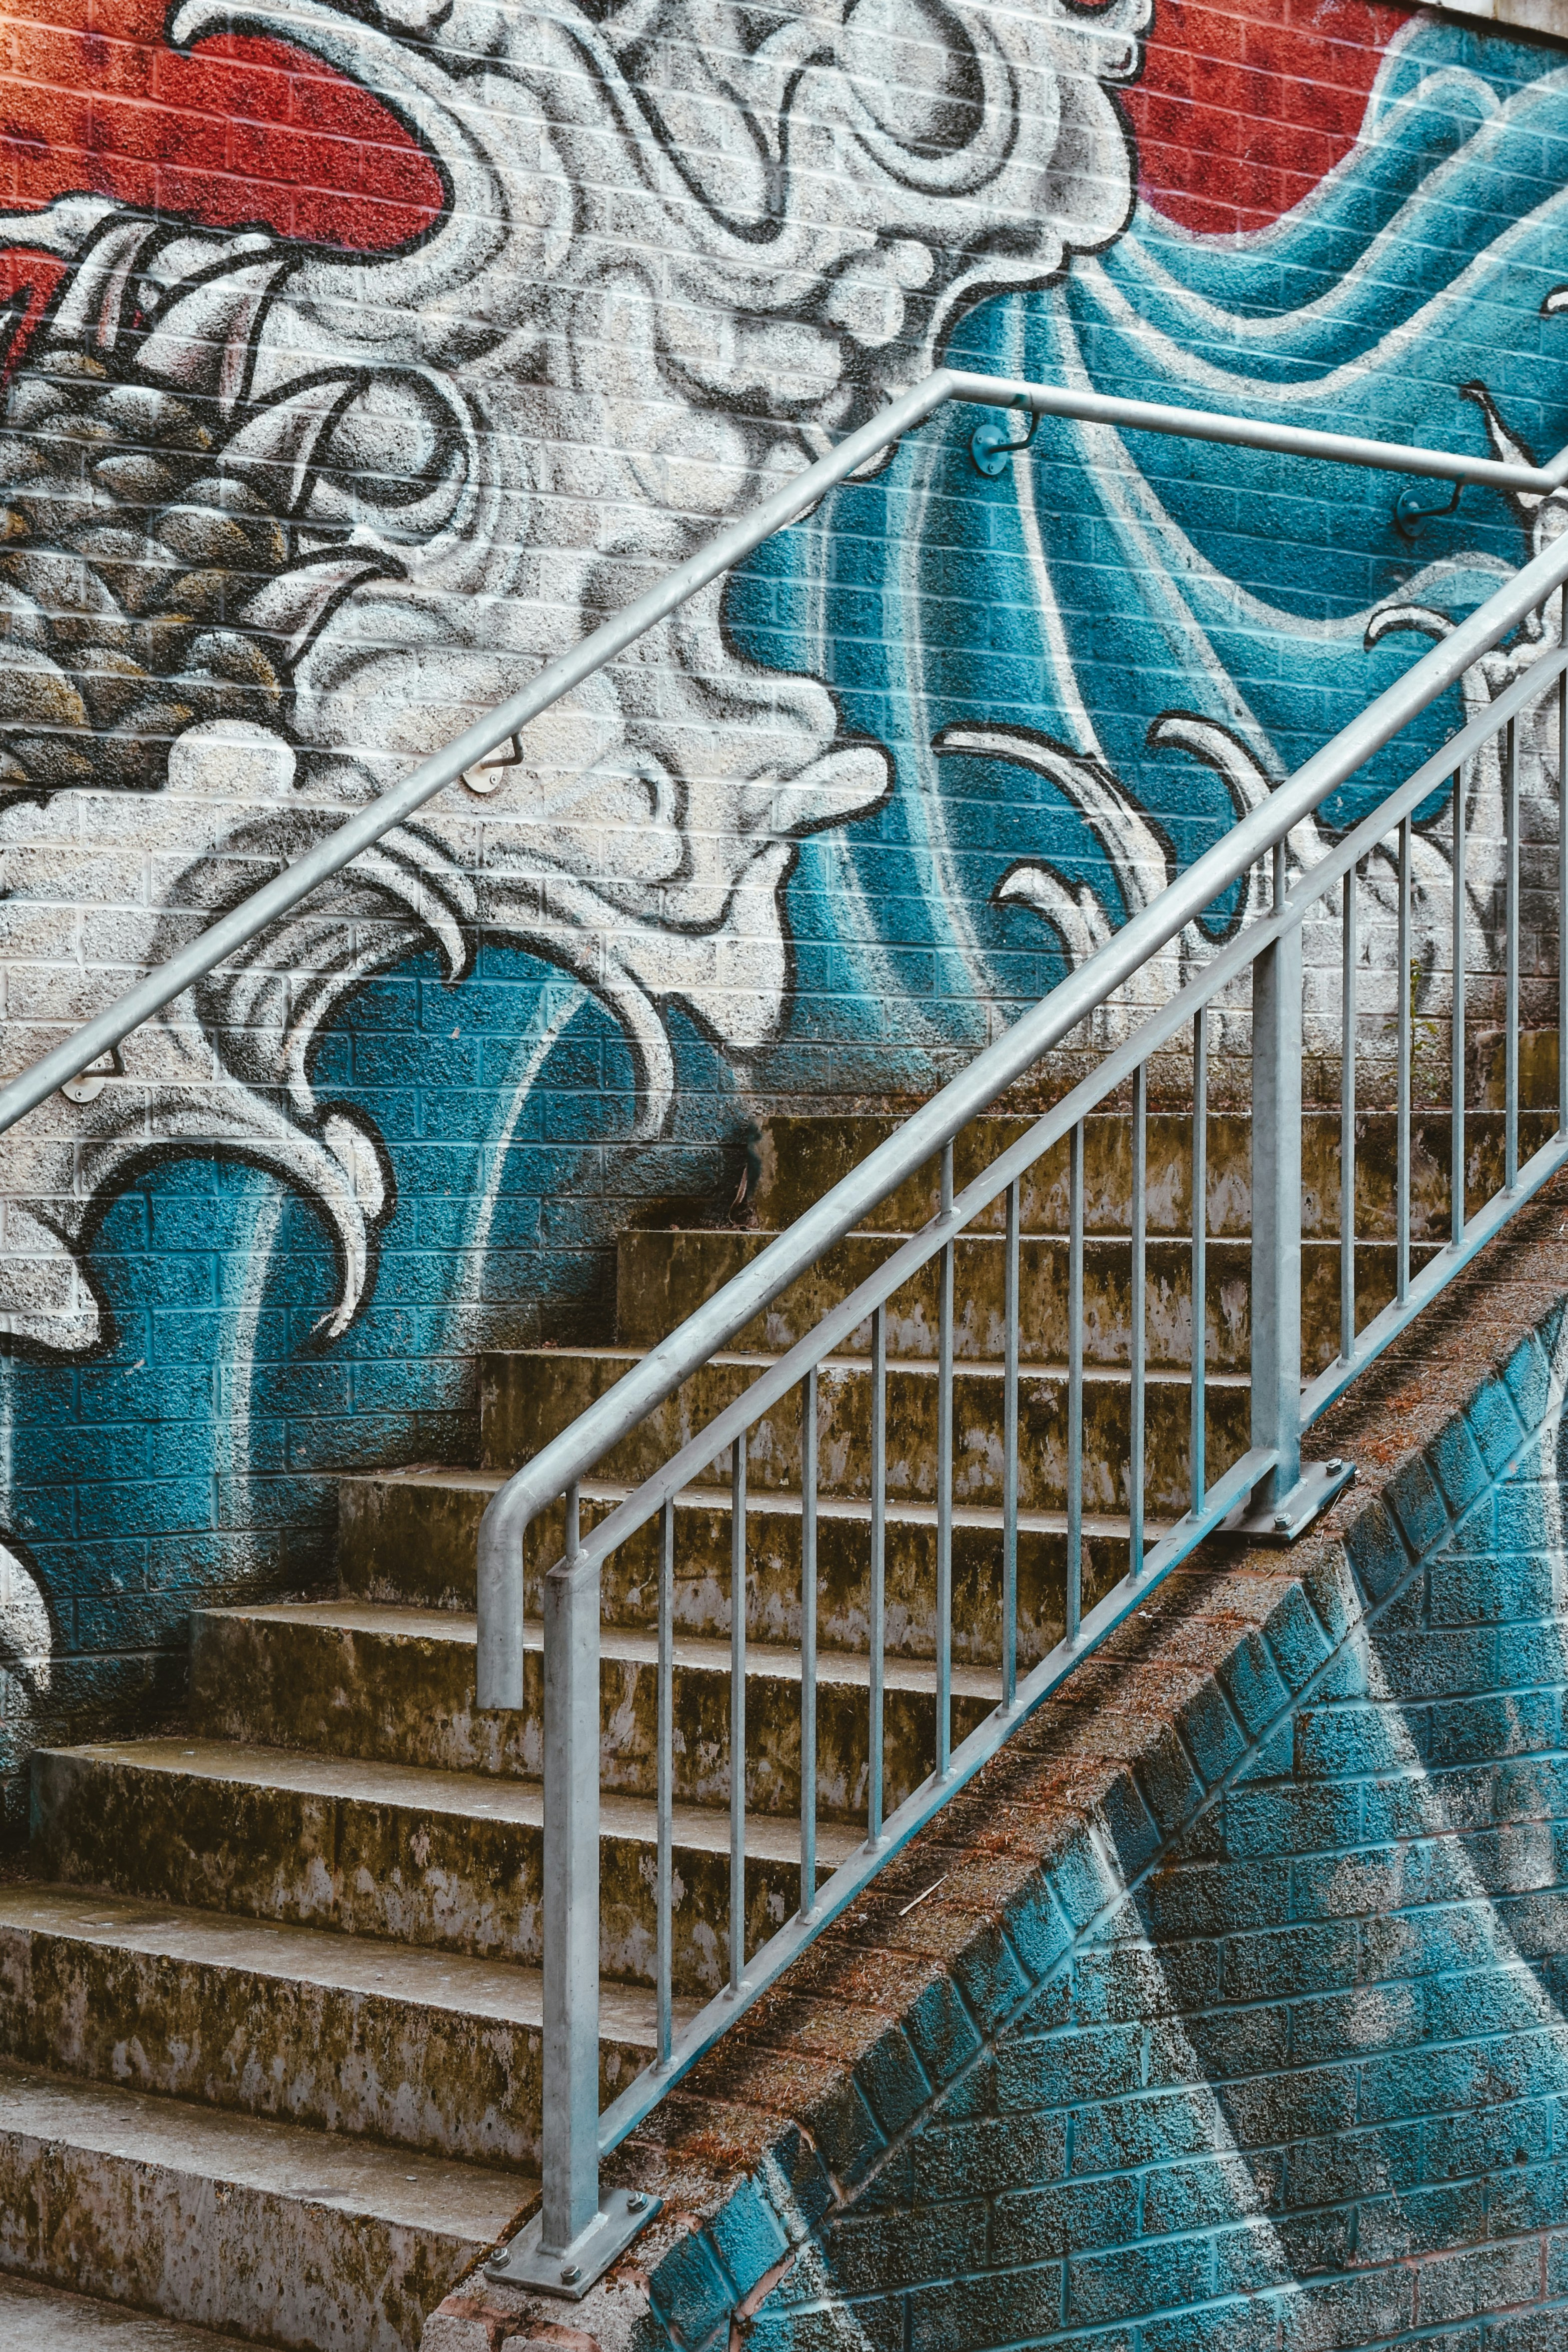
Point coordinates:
[[270, 2016]]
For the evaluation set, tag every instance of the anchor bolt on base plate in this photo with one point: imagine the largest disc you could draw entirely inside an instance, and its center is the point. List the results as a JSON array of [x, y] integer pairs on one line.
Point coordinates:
[[570, 2270], [1308, 1498]]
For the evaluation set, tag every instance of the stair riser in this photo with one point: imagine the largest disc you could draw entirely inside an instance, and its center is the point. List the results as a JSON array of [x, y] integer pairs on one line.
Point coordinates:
[[529, 1399], [663, 1277], [803, 1159], [404, 1542], [410, 1702], [253, 2043], [451, 1882], [294, 2271]]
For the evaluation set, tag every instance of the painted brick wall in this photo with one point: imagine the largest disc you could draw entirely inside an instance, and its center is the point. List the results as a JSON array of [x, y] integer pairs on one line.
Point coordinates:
[[356, 361], [1223, 2013]]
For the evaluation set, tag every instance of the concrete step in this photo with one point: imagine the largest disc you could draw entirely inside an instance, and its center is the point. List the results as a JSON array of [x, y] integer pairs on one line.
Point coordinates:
[[38, 2318], [663, 1276], [530, 1396], [356, 1679], [800, 1159], [408, 1536], [444, 1859], [348, 2034], [304, 2239]]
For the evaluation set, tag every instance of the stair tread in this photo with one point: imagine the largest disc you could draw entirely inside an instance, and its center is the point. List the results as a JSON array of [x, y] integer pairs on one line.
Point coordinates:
[[966, 1368], [617, 1645], [762, 1501], [396, 2185], [499, 1991], [38, 2318], [424, 1789]]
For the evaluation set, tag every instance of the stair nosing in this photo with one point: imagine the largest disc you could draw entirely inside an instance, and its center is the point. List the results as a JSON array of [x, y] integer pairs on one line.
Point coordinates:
[[462, 1984], [130, 2126], [782, 1502], [312, 1772], [618, 1646]]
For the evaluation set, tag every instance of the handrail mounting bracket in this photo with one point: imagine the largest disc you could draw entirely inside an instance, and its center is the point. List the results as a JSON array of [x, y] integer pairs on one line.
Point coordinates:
[[1281, 1523]]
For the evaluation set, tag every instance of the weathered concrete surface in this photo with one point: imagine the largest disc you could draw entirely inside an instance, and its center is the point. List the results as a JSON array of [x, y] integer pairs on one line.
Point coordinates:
[[529, 1397], [407, 1537], [803, 1157], [860, 2162], [419, 2049], [311, 2240], [662, 1277], [351, 1679], [448, 1861], [35, 2319]]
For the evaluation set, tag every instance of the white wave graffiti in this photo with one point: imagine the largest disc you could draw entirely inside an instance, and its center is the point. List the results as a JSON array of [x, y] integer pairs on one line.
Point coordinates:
[[332, 507]]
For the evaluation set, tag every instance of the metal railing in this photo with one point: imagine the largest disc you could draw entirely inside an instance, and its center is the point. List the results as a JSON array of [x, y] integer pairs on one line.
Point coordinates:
[[1268, 1493], [577, 2234]]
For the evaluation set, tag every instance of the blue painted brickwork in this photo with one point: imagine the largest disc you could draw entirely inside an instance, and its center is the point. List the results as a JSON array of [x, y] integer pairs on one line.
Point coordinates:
[[1272, 2055]]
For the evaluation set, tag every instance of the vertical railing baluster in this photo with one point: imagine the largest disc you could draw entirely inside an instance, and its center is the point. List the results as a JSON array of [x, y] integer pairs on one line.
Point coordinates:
[[944, 1489], [1275, 1368], [1137, 1318], [1511, 982], [1456, 1027], [1200, 1165], [1074, 1384], [570, 1889], [1010, 1458], [1347, 1116], [1404, 998], [877, 1611], [663, 1962], [808, 1644], [738, 1713]]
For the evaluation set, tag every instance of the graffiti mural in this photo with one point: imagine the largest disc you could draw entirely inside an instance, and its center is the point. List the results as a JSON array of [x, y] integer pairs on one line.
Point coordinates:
[[296, 482]]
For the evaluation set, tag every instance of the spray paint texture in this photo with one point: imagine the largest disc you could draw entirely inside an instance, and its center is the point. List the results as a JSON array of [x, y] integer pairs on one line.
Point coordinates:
[[283, 518]]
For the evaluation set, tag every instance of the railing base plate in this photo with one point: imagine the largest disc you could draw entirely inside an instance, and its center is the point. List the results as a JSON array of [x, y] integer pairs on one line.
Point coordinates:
[[570, 2272], [1282, 1522]]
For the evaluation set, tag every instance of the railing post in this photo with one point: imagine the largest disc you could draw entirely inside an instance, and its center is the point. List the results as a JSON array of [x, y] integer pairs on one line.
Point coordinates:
[[1277, 1215], [571, 1892], [575, 2235], [1289, 1498]]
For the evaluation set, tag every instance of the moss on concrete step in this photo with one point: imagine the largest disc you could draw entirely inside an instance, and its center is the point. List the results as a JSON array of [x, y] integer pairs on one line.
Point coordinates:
[[445, 1859], [409, 1536], [415, 2048], [663, 1277], [396, 1684], [529, 1397], [804, 1157], [312, 2240]]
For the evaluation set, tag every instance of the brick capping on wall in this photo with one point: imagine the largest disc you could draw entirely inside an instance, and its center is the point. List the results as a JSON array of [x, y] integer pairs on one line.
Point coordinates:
[[859, 2095]]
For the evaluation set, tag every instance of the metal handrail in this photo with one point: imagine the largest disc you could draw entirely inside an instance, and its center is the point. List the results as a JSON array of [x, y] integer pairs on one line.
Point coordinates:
[[577, 2233], [1268, 1493], [720, 554], [570, 1457]]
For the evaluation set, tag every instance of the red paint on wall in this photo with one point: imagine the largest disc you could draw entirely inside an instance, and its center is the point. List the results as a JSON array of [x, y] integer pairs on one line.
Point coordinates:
[[239, 131], [1240, 113]]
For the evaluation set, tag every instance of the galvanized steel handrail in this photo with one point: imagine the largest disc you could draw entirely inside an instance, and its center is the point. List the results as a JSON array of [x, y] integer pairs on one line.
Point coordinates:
[[577, 2231], [570, 1457], [109, 1029], [1267, 1490]]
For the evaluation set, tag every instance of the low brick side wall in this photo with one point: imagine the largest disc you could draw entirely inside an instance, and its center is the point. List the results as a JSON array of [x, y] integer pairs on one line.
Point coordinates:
[[1222, 2010]]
